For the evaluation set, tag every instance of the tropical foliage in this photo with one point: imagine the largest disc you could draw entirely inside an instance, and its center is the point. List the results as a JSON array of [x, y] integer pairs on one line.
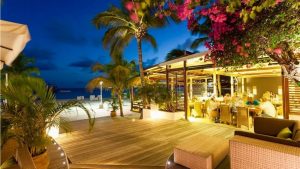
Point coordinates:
[[177, 53], [245, 32], [117, 76], [159, 94], [29, 110], [21, 65]]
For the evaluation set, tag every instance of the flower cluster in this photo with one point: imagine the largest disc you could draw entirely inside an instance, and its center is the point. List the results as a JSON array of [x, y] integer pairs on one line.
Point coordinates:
[[133, 7], [227, 27]]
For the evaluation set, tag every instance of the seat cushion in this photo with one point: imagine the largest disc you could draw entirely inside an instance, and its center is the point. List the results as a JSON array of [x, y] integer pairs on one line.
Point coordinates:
[[201, 152], [285, 133]]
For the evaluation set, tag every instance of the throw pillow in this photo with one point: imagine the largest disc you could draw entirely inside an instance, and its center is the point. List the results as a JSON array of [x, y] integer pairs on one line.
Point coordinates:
[[285, 133], [297, 136]]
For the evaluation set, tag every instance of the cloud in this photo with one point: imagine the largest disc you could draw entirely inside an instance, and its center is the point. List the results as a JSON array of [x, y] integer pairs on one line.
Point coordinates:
[[84, 63], [43, 58], [45, 66], [39, 53], [150, 62], [64, 33]]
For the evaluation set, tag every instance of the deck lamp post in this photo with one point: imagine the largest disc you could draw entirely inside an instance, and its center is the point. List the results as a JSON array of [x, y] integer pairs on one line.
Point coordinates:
[[101, 102]]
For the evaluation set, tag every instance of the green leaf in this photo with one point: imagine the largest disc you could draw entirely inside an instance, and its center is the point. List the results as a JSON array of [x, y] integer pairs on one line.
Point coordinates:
[[252, 15], [259, 9]]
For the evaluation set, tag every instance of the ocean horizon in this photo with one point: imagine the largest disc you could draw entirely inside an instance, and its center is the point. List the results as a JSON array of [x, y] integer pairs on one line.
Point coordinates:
[[72, 93]]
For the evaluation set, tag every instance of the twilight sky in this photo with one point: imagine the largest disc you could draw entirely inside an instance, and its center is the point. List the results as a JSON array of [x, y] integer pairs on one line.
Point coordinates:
[[65, 43]]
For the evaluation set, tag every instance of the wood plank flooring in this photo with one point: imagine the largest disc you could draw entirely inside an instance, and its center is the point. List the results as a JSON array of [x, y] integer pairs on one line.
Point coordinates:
[[130, 141]]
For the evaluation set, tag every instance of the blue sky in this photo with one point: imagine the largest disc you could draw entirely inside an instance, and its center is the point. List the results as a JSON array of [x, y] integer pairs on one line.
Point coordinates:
[[65, 43]]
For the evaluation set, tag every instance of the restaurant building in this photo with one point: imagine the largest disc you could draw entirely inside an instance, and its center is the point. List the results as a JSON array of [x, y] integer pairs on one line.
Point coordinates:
[[193, 76]]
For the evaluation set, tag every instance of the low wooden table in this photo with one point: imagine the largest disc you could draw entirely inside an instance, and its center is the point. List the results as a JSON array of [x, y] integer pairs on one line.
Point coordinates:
[[201, 152]]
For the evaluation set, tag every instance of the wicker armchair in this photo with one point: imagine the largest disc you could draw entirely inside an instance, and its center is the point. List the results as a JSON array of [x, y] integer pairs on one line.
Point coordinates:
[[225, 114], [243, 117], [262, 149]]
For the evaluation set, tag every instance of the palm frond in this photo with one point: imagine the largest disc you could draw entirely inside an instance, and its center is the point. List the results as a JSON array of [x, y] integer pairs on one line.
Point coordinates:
[[198, 41], [151, 40], [94, 83], [97, 67], [111, 18], [134, 82]]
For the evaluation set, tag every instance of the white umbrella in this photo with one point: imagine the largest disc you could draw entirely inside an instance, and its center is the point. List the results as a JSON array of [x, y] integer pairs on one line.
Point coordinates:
[[14, 37]]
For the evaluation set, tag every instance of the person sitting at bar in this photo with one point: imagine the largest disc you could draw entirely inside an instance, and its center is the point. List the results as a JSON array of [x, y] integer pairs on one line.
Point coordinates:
[[212, 106], [251, 101], [227, 98], [268, 109]]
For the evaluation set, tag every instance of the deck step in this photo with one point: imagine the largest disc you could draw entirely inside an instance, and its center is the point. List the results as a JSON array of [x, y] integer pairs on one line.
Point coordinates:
[[97, 166]]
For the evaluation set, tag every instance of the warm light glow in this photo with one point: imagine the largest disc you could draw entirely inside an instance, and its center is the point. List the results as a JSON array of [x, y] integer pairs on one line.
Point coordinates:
[[280, 90], [192, 119], [156, 115], [254, 90], [53, 132]]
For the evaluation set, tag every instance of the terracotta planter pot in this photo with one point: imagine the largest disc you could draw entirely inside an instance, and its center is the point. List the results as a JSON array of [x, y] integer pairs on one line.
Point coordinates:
[[113, 114], [41, 161]]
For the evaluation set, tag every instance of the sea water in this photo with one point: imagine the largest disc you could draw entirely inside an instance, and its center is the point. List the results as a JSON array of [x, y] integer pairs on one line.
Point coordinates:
[[72, 93]]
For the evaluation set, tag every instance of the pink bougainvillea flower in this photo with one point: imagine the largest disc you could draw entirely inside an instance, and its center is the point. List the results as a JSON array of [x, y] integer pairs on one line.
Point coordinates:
[[207, 45], [204, 12], [233, 20], [134, 17], [220, 18], [215, 10], [160, 16], [240, 27], [278, 51], [246, 1], [247, 44], [239, 48], [234, 42], [129, 6], [183, 11], [172, 6], [219, 47], [278, 1]]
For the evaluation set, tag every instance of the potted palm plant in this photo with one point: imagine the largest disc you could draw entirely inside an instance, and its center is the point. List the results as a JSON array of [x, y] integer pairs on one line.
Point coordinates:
[[114, 106], [31, 109]]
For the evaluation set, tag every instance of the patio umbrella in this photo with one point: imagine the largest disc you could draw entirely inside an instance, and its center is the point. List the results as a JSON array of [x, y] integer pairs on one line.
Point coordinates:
[[14, 37]]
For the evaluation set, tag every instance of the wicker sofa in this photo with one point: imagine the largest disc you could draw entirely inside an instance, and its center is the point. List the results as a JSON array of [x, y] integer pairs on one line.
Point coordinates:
[[262, 149]]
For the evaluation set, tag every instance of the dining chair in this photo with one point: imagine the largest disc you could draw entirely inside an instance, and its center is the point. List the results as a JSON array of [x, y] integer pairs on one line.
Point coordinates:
[[198, 109], [243, 117], [225, 114]]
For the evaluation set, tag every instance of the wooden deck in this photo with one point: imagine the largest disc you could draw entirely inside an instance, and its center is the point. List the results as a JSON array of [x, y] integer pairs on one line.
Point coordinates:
[[132, 142]]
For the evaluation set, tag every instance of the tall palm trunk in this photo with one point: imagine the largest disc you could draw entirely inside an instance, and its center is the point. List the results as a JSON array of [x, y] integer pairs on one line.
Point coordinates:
[[120, 104], [140, 54], [131, 97], [139, 42]]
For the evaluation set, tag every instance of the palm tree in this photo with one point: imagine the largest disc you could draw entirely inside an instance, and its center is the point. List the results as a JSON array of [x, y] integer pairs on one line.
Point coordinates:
[[121, 29], [118, 76], [30, 109], [177, 53], [22, 65]]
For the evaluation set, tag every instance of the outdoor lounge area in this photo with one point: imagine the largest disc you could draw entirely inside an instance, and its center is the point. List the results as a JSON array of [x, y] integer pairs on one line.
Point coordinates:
[[150, 84]]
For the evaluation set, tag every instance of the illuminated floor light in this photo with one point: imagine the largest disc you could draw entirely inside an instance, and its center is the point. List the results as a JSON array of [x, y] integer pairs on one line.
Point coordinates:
[[192, 119], [62, 154], [58, 148]]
